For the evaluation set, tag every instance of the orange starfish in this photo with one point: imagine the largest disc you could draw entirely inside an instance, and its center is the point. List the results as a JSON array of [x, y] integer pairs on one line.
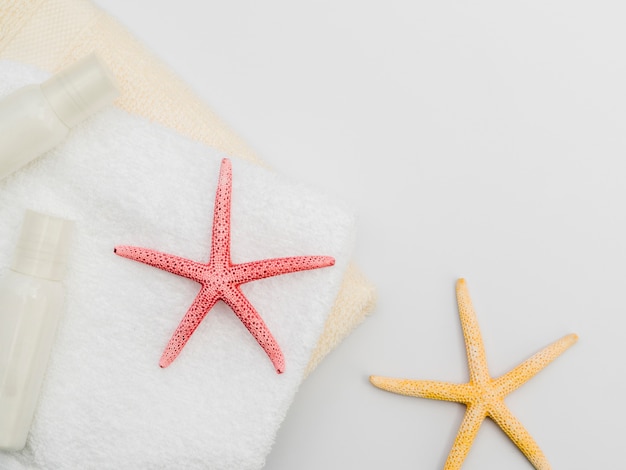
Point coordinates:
[[483, 395], [221, 279]]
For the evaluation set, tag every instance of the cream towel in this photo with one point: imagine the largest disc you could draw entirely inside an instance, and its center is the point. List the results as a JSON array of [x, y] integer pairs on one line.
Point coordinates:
[[105, 403], [54, 33]]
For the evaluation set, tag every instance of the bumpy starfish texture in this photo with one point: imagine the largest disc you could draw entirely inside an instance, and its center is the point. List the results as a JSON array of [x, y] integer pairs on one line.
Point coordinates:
[[221, 279], [483, 395]]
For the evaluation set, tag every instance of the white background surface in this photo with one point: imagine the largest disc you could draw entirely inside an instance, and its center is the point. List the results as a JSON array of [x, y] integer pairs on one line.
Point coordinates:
[[483, 140]]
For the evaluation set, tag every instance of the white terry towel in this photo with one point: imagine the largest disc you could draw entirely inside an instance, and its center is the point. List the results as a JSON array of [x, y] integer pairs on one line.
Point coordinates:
[[105, 403]]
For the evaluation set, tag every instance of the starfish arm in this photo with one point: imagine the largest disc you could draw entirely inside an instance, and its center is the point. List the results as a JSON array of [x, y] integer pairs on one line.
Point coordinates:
[[521, 374], [519, 435], [476, 357], [255, 270], [424, 388], [472, 420], [174, 264], [204, 301], [220, 246], [256, 326]]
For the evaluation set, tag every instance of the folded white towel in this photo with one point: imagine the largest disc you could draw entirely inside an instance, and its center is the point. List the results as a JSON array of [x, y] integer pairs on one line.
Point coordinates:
[[105, 403]]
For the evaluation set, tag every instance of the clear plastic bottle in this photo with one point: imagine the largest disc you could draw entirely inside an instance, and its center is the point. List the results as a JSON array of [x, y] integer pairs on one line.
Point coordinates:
[[31, 304], [36, 118]]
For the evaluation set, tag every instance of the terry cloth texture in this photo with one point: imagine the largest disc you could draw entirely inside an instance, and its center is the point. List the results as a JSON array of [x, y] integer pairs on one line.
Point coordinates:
[[105, 403], [52, 34]]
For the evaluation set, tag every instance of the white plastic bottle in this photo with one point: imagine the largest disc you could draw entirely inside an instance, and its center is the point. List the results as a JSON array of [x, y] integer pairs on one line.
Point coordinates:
[[31, 304], [36, 118]]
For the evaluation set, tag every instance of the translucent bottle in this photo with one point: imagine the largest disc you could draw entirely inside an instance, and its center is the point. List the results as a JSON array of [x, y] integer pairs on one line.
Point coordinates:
[[31, 304], [36, 118]]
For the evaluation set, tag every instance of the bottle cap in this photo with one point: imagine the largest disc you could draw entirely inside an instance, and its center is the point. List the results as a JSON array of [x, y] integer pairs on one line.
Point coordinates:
[[80, 90], [43, 246]]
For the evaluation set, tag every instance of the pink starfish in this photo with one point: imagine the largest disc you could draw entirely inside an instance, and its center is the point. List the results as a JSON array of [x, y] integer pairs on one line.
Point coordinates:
[[220, 278]]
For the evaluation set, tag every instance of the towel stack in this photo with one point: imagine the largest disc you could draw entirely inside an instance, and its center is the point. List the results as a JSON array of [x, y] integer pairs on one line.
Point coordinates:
[[105, 403]]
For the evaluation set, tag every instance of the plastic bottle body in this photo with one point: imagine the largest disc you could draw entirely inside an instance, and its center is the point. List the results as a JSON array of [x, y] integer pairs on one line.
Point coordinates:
[[36, 118], [30, 127], [30, 309]]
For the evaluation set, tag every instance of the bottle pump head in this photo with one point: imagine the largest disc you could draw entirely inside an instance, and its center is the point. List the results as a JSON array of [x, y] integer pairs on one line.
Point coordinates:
[[43, 246], [80, 90]]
